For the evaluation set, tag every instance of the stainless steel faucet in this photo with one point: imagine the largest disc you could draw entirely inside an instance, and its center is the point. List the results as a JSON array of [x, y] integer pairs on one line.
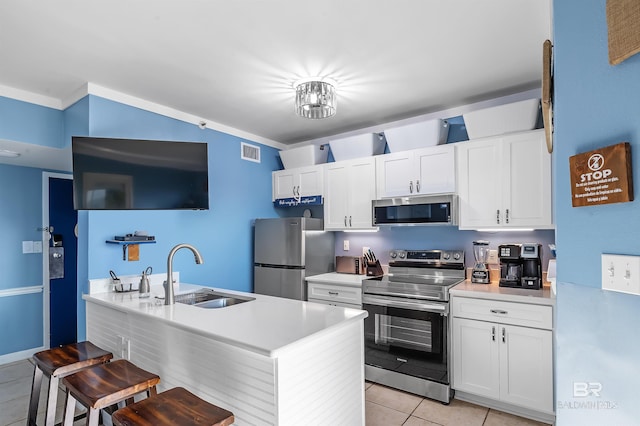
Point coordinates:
[[169, 298]]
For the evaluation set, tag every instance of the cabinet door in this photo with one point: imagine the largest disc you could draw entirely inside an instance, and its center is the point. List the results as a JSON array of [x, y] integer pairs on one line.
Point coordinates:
[[527, 193], [336, 193], [526, 367], [394, 172], [362, 190], [311, 180], [436, 170], [480, 183], [475, 357], [283, 183]]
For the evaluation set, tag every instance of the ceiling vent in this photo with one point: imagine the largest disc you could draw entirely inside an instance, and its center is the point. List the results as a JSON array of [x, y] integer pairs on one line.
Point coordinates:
[[250, 152]]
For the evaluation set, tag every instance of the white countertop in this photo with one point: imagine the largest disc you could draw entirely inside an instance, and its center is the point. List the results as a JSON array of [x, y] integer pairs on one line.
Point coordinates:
[[266, 325], [351, 280], [493, 291]]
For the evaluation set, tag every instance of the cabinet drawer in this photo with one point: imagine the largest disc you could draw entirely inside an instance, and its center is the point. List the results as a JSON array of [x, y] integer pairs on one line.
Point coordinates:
[[335, 293], [524, 314], [343, 305]]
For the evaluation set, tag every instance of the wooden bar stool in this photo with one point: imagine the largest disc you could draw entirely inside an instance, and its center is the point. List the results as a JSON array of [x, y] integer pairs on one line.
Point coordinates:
[[176, 406], [57, 363], [105, 385]]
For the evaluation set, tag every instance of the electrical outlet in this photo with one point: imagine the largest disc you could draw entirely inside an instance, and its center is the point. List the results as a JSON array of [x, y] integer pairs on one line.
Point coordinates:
[[365, 250], [493, 257], [345, 245], [621, 273]]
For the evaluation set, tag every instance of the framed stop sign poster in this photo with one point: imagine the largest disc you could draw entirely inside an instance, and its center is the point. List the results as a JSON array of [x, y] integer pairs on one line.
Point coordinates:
[[602, 176]]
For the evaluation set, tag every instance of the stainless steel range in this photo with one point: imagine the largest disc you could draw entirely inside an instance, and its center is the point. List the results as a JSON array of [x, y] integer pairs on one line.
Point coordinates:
[[407, 331]]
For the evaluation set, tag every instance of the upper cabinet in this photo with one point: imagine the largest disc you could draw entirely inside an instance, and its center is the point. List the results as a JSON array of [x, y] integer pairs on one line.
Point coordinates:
[[349, 189], [299, 182], [417, 172], [505, 182]]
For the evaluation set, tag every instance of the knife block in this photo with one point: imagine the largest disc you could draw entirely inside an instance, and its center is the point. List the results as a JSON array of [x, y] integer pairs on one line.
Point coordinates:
[[374, 269]]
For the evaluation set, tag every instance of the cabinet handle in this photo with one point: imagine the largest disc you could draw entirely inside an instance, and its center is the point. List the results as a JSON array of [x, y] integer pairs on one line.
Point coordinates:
[[498, 217], [345, 221], [411, 186], [499, 311], [350, 225], [504, 337], [417, 186], [507, 215], [333, 293], [493, 333]]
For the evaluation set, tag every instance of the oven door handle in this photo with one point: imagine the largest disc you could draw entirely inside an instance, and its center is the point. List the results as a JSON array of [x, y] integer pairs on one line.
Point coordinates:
[[439, 308]]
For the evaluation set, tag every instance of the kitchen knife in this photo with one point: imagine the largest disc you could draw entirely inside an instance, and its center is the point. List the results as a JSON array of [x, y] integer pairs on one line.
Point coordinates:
[[373, 256]]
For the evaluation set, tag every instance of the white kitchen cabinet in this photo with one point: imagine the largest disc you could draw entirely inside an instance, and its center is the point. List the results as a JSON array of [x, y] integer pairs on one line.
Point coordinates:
[[298, 182], [416, 172], [500, 360], [349, 188], [505, 182], [336, 289]]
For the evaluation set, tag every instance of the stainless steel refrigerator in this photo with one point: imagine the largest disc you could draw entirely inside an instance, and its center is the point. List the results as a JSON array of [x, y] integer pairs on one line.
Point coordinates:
[[286, 250]]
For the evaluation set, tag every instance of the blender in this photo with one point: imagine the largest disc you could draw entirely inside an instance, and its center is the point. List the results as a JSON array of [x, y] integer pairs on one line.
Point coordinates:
[[480, 273]]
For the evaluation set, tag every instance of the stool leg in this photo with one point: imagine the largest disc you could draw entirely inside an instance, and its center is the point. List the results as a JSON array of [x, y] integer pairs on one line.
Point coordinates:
[[52, 401], [92, 417], [35, 396], [69, 410]]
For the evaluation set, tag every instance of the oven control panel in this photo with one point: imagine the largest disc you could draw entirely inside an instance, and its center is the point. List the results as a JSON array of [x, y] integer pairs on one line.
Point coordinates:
[[428, 256]]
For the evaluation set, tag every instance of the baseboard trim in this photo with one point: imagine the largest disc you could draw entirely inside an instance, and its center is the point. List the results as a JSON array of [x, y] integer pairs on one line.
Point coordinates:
[[19, 356], [507, 408]]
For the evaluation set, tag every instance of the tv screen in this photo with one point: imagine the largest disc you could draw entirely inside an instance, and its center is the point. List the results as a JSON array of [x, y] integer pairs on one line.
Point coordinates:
[[131, 174]]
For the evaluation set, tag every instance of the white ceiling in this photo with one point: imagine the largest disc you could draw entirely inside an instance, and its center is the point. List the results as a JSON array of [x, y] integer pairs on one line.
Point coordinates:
[[234, 62]]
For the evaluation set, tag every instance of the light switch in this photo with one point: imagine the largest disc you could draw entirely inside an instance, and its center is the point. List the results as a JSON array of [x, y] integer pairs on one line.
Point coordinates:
[[27, 247], [345, 245], [37, 246], [621, 273]]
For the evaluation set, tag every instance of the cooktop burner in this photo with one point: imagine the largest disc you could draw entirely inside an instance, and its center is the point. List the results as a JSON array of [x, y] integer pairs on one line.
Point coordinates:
[[419, 274]]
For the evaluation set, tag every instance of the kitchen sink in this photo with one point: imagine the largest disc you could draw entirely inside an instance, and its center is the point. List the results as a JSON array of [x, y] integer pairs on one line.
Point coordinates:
[[210, 299]]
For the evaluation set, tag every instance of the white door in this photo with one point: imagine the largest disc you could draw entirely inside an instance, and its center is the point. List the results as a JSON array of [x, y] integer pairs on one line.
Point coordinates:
[[394, 174], [480, 183], [527, 193], [436, 169], [311, 180], [526, 367], [362, 190], [336, 193], [284, 182], [475, 357]]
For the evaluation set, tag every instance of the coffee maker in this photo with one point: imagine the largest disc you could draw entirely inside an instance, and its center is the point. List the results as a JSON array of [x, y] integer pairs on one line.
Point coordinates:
[[521, 265]]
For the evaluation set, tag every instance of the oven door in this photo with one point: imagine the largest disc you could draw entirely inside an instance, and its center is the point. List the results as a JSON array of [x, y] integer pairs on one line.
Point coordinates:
[[407, 336]]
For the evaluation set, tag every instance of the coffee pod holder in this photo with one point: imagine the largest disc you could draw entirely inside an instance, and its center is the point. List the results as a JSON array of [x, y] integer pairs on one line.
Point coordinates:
[[374, 269]]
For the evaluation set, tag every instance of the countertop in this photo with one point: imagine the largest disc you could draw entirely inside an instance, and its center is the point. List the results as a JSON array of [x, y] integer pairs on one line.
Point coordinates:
[[493, 291], [351, 280], [265, 326]]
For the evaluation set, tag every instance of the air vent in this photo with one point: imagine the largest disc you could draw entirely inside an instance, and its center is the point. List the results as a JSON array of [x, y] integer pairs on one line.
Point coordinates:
[[250, 152]]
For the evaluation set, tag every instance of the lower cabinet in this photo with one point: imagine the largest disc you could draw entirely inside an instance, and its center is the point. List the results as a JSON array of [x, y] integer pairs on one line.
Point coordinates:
[[499, 360]]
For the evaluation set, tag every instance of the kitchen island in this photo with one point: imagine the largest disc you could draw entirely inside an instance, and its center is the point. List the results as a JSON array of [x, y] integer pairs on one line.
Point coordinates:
[[269, 361]]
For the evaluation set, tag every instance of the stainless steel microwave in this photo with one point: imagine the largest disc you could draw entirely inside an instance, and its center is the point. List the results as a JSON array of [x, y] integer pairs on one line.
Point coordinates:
[[423, 210]]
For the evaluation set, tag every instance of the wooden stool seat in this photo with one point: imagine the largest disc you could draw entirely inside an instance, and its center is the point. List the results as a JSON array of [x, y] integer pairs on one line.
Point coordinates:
[[57, 363], [176, 406], [105, 385]]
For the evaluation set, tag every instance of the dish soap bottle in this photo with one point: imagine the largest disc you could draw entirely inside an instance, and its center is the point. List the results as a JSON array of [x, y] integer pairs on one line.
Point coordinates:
[[145, 287]]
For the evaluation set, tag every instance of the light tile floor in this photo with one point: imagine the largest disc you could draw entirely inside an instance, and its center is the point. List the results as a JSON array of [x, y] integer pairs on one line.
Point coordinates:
[[384, 406], [391, 407]]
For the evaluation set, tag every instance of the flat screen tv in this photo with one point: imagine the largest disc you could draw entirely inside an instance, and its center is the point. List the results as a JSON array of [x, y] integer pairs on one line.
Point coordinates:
[[132, 174]]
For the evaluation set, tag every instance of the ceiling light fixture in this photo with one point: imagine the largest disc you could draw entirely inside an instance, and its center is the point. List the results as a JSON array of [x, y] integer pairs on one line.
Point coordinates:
[[315, 98], [9, 154]]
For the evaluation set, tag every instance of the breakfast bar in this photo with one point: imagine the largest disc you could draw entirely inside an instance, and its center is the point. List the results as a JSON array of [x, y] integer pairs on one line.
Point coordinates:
[[269, 360]]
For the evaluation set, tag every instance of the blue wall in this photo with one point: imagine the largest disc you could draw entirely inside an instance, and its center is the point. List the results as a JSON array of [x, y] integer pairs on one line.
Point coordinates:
[[30, 123], [598, 338], [239, 192]]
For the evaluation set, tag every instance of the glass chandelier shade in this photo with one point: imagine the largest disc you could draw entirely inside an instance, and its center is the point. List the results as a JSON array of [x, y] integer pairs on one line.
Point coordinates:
[[315, 99]]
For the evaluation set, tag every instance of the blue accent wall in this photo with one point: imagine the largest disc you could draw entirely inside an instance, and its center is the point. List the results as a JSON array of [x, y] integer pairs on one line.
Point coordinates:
[[21, 317], [239, 192], [30, 123], [598, 338]]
